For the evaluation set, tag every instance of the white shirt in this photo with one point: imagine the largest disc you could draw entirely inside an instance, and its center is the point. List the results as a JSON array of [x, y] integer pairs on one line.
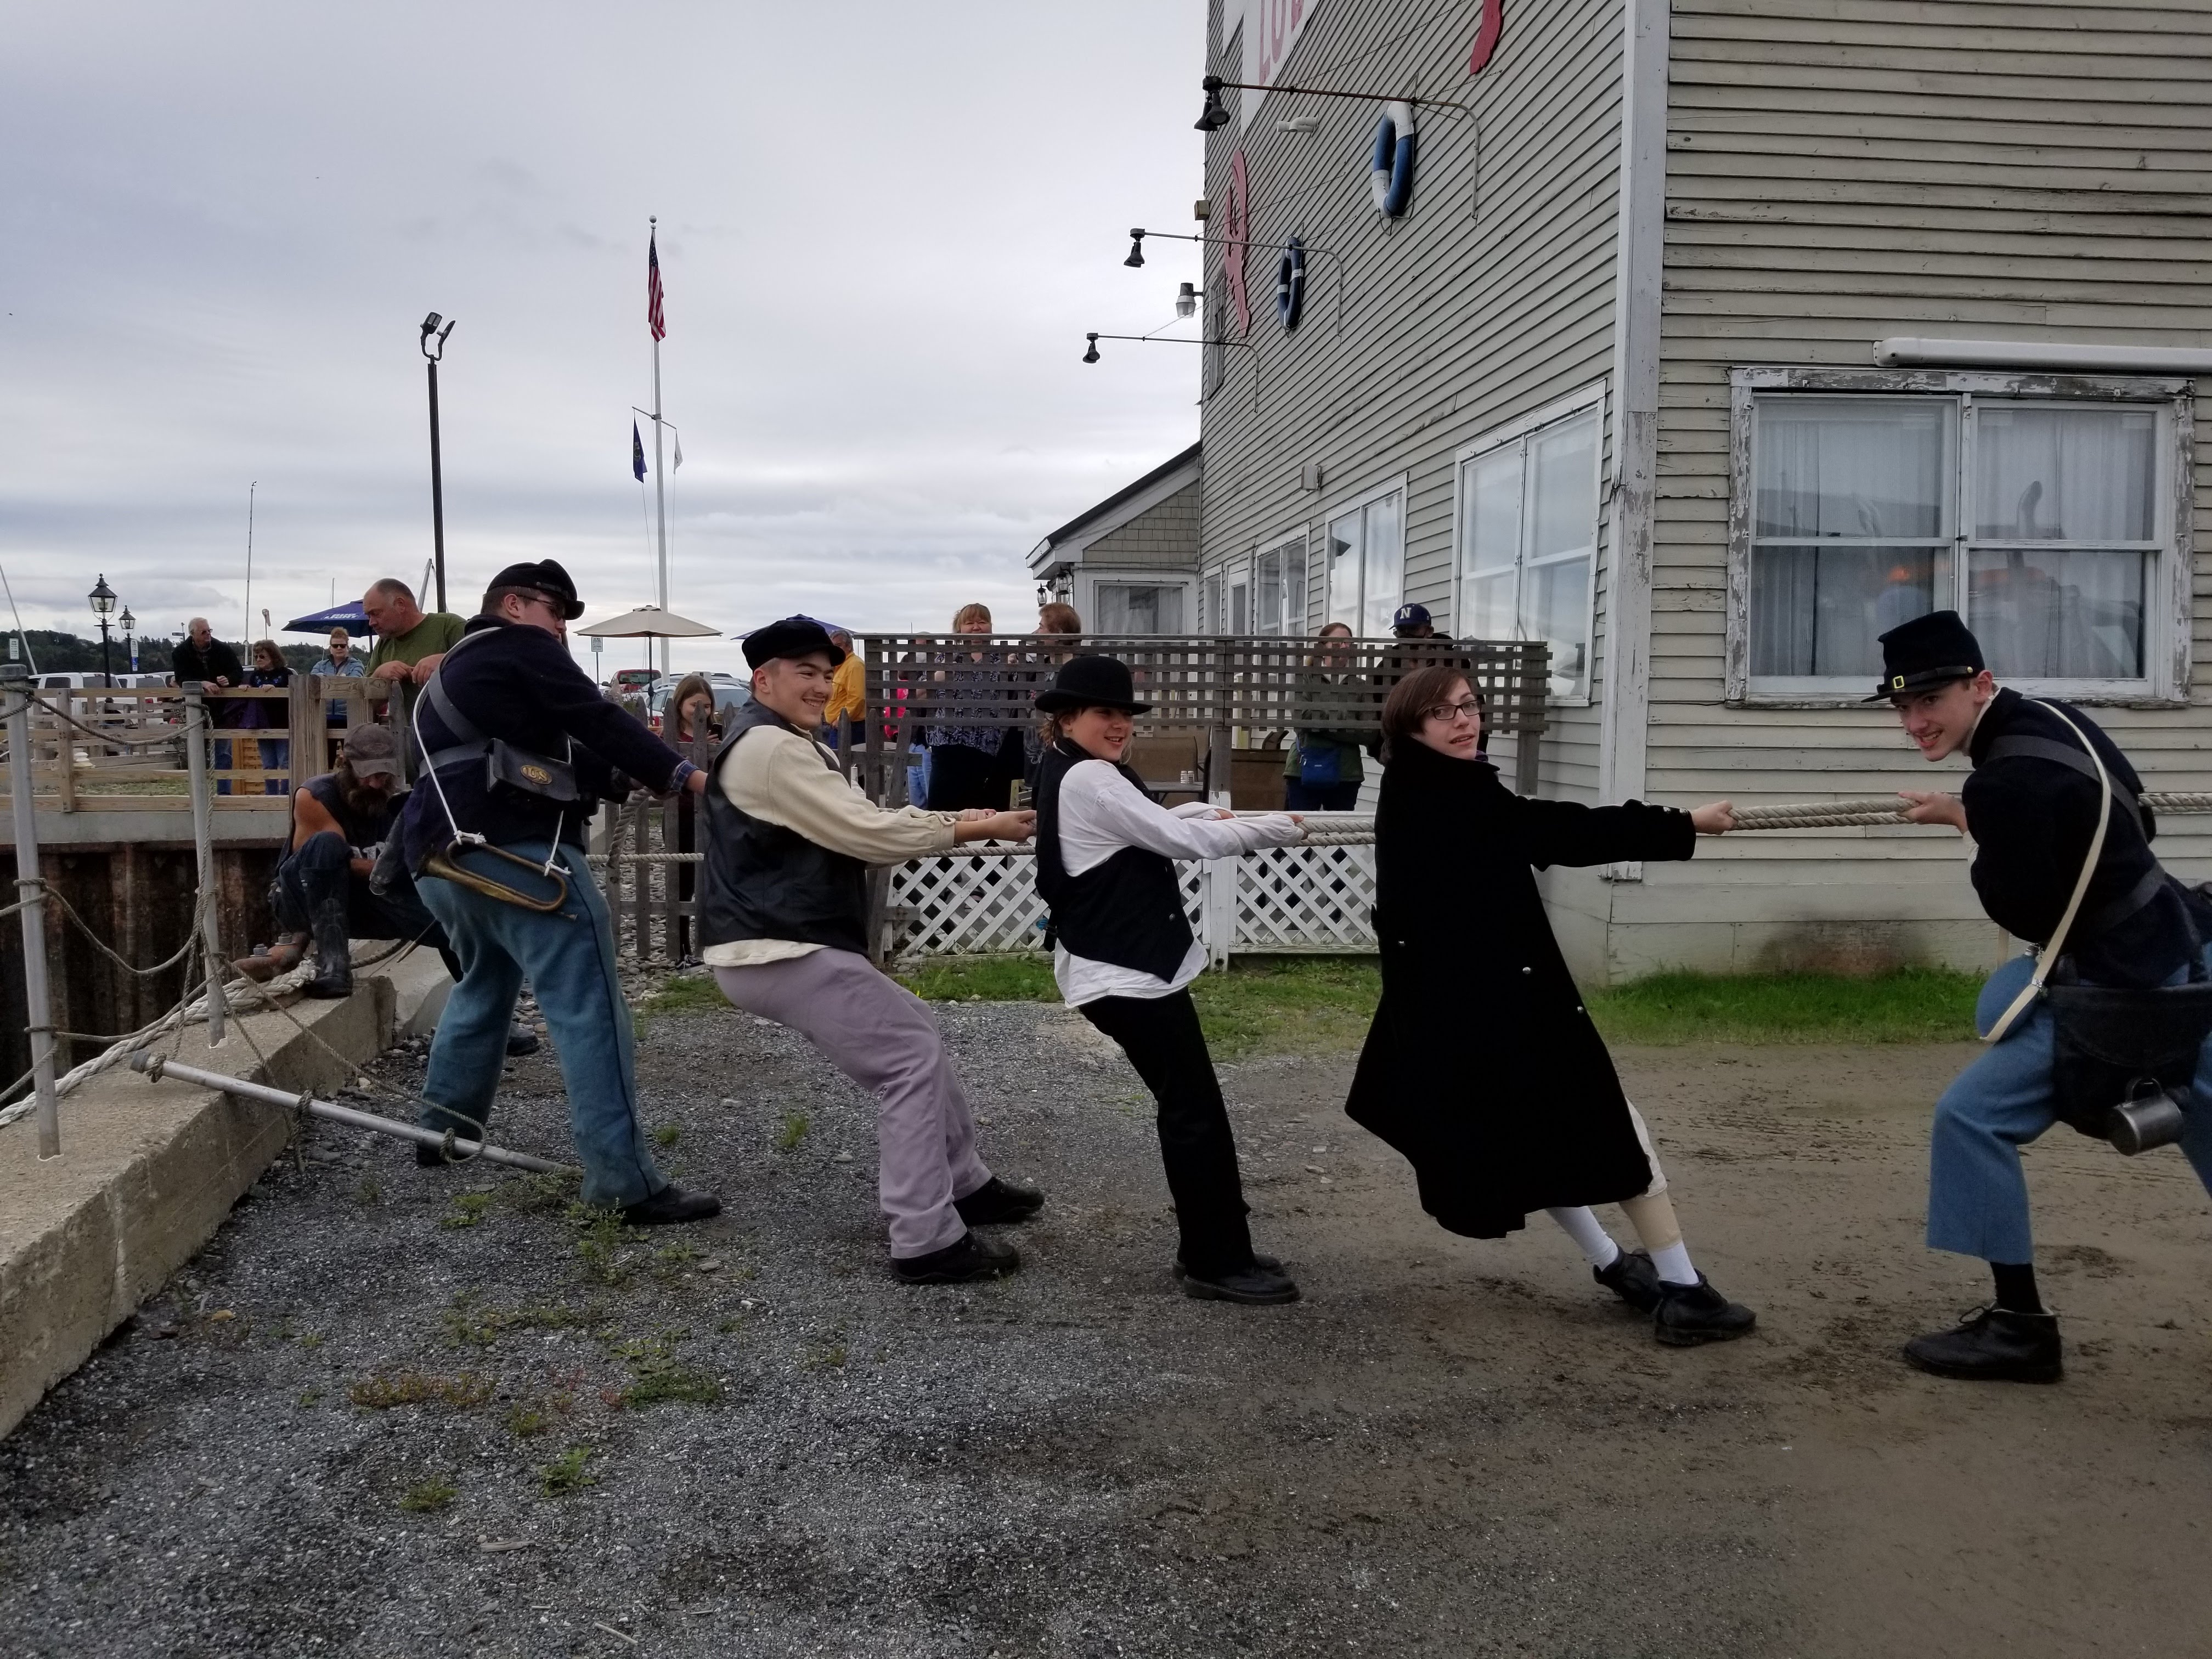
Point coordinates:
[[1100, 812]]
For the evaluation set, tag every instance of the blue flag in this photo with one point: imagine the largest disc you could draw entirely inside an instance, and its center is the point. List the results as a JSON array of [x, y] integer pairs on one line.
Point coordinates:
[[636, 452]]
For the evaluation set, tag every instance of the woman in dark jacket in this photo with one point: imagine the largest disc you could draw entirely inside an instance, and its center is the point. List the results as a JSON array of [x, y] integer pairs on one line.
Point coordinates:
[[1541, 1123]]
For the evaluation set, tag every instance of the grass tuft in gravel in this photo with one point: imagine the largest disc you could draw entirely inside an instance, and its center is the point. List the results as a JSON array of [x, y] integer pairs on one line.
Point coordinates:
[[660, 1376], [684, 994], [469, 1209], [429, 1497], [791, 1131], [566, 1473], [410, 1387], [467, 1325], [541, 1192]]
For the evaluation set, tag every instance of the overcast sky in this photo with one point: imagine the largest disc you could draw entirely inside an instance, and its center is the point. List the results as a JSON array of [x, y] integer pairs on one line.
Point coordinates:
[[883, 230]]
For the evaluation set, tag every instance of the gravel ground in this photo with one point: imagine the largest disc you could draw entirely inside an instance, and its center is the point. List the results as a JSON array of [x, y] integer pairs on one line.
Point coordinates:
[[398, 1412]]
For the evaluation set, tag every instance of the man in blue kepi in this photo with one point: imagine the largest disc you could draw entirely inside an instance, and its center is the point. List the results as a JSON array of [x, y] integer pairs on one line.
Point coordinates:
[[2102, 1029], [519, 744]]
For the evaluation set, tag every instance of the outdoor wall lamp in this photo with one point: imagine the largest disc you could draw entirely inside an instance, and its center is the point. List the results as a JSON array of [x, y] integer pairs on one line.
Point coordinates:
[[1216, 115], [1186, 299], [1336, 264], [1090, 351], [1136, 249]]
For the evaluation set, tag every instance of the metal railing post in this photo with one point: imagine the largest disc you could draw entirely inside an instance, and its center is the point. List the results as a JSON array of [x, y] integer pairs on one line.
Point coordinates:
[[196, 764], [30, 888]]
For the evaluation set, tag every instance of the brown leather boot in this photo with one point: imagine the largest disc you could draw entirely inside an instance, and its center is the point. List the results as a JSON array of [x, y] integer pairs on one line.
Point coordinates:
[[278, 958]]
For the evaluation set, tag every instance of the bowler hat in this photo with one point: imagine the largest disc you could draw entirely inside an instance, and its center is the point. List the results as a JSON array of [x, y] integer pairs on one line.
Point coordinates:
[[549, 579], [1091, 683], [793, 636], [1931, 650]]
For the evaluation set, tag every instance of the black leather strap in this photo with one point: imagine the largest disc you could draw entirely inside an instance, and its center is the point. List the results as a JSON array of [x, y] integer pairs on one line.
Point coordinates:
[[2065, 754]]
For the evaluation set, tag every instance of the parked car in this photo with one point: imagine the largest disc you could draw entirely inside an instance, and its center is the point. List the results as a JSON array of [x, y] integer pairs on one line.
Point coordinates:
[[730, 692], [633, 681]]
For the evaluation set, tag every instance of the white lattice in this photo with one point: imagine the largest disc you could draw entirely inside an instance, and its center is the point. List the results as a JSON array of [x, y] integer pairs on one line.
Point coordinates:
[[1283, 899]]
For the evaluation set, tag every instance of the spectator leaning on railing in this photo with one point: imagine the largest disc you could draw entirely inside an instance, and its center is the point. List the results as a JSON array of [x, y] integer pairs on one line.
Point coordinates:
[[200, 656], [338, 662], [264, 713], [410, 642]]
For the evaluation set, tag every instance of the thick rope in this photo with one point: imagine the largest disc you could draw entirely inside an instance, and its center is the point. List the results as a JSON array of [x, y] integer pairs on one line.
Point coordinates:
[[1888, 809]]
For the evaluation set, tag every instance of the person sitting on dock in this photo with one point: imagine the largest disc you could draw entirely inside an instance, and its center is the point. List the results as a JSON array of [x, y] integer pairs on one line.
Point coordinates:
[[783, 918]]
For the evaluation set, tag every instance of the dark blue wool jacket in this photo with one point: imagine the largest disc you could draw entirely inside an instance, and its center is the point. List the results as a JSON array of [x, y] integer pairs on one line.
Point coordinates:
[[523, 686]]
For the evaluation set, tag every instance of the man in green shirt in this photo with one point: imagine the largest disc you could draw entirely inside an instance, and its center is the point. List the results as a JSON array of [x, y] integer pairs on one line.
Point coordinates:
[[409, 643]]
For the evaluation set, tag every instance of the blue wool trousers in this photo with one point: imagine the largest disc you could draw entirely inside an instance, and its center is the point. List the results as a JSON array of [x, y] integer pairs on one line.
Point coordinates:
[[568, 958], [1976, 1190]]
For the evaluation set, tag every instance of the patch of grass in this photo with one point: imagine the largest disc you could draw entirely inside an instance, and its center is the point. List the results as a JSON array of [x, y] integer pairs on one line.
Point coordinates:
[[671, 1261], [830, 1356], [371, 1191], [469, 1209], [685, 994], [666, 1136], [1299, 1005], [309, 1396], [541, 1192], [524, 1421], [566, 1473], [791, 1131], [429, 1497], [659, 1375], [1908, 1004], [468, 1325], [600, 1248], [993, 979], [410, 1387]]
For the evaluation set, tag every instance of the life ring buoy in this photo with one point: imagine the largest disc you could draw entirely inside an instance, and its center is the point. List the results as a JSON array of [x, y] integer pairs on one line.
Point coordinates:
[[1390, 175], [1291, 283]]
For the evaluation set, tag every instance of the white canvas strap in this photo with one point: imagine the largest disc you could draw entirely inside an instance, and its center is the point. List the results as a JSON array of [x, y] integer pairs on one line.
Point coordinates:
[[2049, 956]]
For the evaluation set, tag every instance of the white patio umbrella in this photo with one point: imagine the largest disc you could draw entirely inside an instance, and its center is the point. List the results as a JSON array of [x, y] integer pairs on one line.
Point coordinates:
[[650, 621]]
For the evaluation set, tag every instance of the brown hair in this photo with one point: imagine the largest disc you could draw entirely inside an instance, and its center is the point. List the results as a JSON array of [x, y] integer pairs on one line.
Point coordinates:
[[276, 654], [691, 686], [968, 613], [1058, 618], [1422, 689]]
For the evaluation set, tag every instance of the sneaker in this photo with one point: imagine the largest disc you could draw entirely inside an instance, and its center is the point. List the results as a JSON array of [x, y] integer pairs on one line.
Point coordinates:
[[670, 1206], [1257, 1286], [1690, 1313], [966, 1257], [999, 1203], [1633, 1279], [1992, 1345]]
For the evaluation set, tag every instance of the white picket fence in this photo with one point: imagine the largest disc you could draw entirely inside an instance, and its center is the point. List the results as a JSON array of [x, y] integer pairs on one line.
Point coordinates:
[[1310, 898]]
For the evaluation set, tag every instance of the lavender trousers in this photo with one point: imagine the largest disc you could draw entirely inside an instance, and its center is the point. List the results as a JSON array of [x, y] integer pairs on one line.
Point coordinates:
[[882, 1035]]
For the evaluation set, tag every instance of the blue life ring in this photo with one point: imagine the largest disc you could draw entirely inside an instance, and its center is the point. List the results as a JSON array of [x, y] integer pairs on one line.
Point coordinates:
[[1390, 174], [1291, 283]]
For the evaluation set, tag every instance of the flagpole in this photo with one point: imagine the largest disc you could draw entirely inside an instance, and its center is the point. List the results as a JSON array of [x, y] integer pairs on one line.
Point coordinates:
[[660, 488]]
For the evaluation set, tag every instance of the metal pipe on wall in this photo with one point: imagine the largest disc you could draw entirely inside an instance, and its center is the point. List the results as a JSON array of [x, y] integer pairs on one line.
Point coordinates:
[[196, 765]]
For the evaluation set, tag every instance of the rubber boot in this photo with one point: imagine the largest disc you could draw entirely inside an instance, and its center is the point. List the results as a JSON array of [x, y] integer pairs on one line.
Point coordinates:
[[333, 951]]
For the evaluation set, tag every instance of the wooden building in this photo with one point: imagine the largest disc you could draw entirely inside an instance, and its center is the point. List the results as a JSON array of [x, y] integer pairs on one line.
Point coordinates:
[[1129, 565], [1709, 342]]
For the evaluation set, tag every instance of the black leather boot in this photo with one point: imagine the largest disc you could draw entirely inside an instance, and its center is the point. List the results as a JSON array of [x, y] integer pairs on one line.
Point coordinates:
[[1690, 1313], [333, 951], [999, 1203], [1633, 1279], [966, 1257], [1992, 1345]]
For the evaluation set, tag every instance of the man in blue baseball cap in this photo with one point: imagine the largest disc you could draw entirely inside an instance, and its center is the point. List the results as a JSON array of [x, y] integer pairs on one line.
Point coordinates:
[[1411, 623]]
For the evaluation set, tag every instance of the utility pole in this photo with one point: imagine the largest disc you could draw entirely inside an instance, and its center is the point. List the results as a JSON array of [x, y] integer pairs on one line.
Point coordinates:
[[437, 472]]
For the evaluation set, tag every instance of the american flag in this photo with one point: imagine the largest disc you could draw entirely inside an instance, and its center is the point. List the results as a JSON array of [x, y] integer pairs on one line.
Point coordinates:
[[653, 318]]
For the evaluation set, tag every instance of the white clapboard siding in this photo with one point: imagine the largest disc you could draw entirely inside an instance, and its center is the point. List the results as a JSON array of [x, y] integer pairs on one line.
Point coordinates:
[[1838, 173], [1492, 298]]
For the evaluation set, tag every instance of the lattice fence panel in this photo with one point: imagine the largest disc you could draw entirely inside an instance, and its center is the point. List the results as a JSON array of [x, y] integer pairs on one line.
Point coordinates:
[[1287, 899], [1306, 898]]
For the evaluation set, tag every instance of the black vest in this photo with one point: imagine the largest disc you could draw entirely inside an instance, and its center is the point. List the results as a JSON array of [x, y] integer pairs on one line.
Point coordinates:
[[761, 880], [1127, 910]]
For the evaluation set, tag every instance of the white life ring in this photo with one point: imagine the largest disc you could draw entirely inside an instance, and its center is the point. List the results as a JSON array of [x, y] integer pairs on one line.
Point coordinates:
[[1291, 283], [1390, 174]]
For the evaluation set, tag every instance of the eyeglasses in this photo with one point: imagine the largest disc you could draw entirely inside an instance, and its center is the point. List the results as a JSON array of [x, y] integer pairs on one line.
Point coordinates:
[[1444, 713]]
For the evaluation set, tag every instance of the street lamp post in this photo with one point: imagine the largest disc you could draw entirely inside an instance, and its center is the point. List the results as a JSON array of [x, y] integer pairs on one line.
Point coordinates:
[[103, 606], [430, 330], [130, 644]]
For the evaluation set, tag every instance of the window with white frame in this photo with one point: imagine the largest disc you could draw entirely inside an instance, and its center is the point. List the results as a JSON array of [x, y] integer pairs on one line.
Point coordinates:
[[1210, 597], [2043, 521], [1366, 549], [1131, 608], [1279, 588], [1527, 541]]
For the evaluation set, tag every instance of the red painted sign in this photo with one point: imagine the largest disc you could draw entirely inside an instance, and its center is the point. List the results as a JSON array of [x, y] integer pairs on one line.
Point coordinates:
[[1235, 229], [1485, 35]]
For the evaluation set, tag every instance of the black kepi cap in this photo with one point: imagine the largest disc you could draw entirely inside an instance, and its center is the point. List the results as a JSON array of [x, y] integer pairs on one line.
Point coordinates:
[[549, 579], [1091, 683], [793, 636], [1929, 651]]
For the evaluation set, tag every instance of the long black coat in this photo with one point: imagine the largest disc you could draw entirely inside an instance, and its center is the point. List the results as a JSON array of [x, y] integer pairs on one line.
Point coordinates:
[[1482, 1066]]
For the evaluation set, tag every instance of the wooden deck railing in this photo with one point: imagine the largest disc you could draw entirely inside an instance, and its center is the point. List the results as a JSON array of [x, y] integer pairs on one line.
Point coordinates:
[[122, 749]]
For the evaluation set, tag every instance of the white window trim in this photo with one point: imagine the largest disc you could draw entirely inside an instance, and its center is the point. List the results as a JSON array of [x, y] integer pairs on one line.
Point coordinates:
[[1301, 532], [1397, 486], [1589, 398], [1134, 576], [2167, 624]]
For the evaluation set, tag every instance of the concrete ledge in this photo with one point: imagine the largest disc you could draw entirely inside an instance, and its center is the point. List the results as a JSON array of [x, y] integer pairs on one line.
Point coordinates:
[[149, 1170]]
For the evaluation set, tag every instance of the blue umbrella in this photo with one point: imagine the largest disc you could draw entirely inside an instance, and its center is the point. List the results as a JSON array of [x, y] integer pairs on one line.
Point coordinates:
[[348, 616]]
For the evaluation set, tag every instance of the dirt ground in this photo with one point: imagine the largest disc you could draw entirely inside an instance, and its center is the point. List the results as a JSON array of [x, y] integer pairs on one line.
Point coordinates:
[[1449, 1448]]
